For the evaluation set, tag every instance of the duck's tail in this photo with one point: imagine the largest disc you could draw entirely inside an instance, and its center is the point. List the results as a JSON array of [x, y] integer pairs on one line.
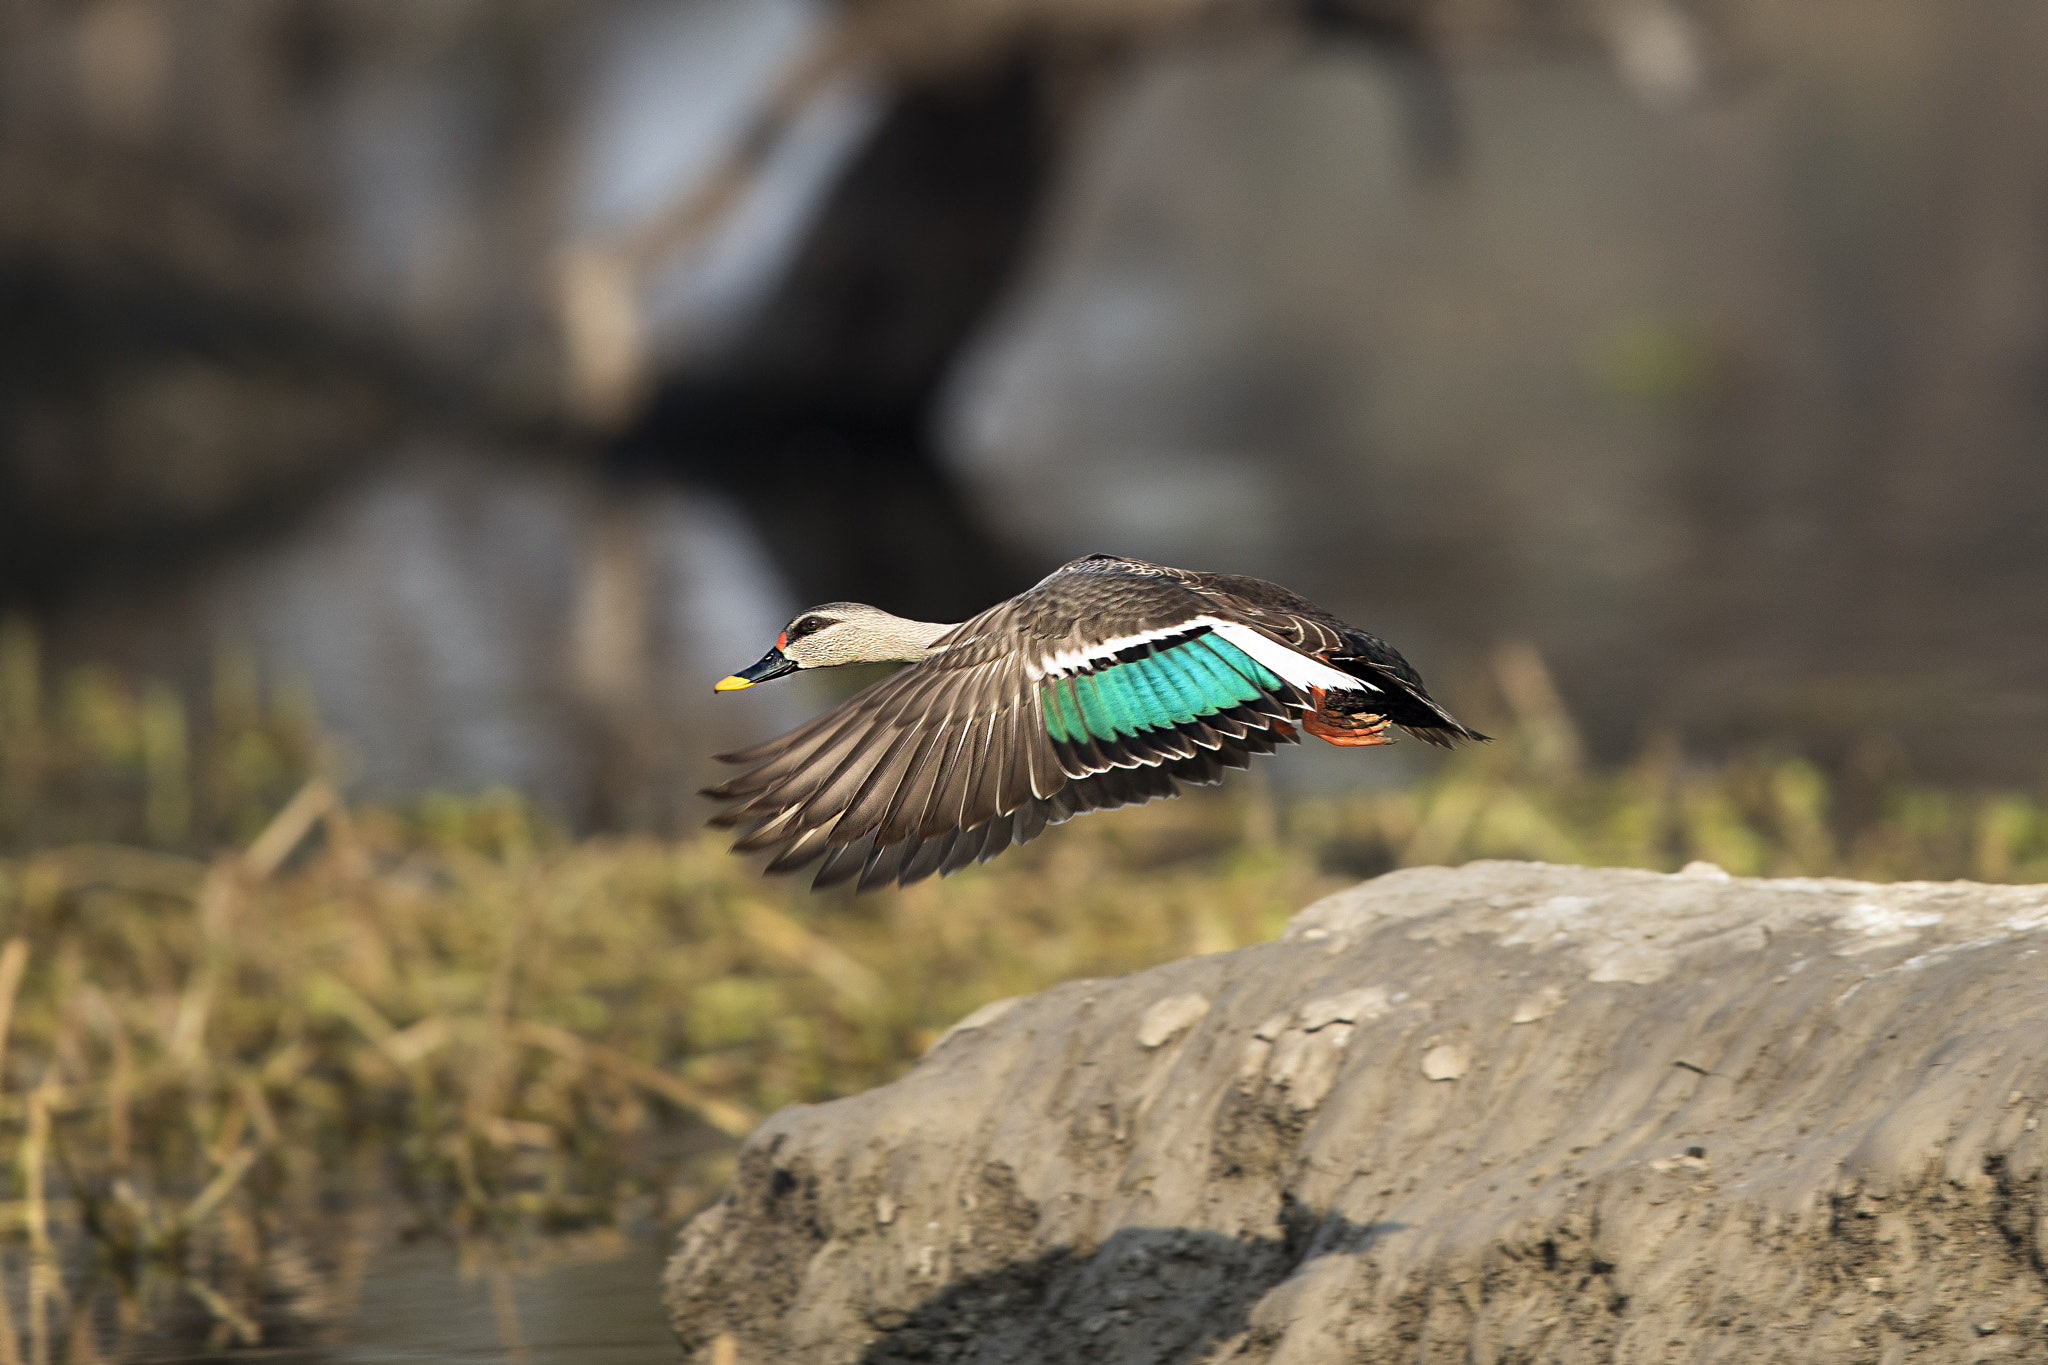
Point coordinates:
[[1403, 701]]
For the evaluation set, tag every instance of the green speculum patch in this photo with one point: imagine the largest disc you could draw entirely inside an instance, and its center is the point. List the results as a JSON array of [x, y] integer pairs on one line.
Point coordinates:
[[1153, 691]]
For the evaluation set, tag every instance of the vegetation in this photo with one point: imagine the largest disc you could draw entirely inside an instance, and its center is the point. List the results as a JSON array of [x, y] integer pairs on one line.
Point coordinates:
[[234, 1009]]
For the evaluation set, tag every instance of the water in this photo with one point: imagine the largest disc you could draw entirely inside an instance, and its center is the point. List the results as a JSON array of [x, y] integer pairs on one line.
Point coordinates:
[[419, 1303], [462, 620], [419, 1307]]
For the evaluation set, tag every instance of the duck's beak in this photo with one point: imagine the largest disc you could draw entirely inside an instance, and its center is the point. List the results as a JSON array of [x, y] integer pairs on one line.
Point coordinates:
[[773, 664]]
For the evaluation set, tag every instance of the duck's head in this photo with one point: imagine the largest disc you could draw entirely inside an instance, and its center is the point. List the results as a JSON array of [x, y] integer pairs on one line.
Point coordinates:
[[838, 633]]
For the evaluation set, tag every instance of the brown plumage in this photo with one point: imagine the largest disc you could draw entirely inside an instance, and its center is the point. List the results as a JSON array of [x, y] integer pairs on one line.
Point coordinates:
[[1111, 682]]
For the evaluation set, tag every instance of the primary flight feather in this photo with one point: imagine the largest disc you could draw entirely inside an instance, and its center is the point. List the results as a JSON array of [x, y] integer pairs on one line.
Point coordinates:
[[1111, 682]]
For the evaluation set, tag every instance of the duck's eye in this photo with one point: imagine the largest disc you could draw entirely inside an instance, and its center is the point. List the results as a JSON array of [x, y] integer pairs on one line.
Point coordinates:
[[807, 625]]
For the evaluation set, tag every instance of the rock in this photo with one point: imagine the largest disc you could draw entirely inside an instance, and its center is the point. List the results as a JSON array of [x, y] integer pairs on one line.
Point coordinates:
[[1352, 1007], [1447, 1061], [1502, 1112], [1165, 1020]]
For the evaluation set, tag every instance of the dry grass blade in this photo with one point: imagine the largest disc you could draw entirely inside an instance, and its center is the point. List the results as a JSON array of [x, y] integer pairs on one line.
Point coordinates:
[[505, 1314], [246, 1330], [218, 1189], [783, 936], [45, 1285], [10, 1352], [326, 993], [284, 833], [13, 962], [733, 1119]]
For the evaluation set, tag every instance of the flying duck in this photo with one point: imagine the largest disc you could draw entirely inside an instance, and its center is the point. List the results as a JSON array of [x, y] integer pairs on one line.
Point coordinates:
[[1109, 683]]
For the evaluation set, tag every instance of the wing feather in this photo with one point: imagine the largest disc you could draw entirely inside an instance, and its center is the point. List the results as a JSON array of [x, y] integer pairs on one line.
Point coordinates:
[[986, 761], [931, 855], [1001, 833], [966, 849], [911, 788], [869, 805], [953, 774], [843, 862], [883, 865]]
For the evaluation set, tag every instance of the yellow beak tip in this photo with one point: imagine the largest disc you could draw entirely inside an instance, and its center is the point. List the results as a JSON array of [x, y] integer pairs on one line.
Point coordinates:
[[731, 684]]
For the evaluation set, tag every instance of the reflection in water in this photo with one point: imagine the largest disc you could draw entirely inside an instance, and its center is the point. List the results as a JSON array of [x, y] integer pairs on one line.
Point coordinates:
[[464, 620], [463, 628], [601, 1306], [418, 1307]]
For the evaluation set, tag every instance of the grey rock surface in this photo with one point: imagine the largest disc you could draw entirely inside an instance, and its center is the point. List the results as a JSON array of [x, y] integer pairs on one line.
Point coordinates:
[[1505, 1112]]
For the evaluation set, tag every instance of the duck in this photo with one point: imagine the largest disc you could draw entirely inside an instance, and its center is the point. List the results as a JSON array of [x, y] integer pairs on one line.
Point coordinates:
[[1111, 682]]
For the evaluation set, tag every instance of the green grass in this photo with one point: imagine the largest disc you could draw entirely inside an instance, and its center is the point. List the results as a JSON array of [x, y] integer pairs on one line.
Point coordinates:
[[234, 1007]]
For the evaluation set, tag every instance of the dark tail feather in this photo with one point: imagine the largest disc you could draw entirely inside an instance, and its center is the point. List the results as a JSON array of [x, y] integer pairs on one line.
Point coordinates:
[[1405, 702]]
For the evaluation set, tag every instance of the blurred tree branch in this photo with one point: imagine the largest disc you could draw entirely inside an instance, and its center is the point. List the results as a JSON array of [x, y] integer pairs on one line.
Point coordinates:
[[159, 161]]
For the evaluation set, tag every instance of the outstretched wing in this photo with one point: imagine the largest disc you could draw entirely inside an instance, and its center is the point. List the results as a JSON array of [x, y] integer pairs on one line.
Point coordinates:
[[1306, 628], [1100, 687]]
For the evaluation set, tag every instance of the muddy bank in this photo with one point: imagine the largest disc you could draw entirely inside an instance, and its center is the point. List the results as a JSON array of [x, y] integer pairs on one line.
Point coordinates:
[[1504, 1112]]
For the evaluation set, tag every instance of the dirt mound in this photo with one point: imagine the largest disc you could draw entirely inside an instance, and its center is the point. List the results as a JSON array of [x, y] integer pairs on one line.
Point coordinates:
[[1507, 1112]]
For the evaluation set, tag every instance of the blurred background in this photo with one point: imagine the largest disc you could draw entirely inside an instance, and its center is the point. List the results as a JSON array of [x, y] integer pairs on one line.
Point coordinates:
[[409, 407], [499, 374]]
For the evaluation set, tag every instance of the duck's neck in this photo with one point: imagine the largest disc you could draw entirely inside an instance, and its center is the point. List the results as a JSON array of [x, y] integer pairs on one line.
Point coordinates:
[[891, 639]]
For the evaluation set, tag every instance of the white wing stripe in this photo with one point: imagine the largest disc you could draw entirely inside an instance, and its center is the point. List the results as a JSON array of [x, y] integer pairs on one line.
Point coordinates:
[[1299, 669], [1067, 660], [1296, 668]]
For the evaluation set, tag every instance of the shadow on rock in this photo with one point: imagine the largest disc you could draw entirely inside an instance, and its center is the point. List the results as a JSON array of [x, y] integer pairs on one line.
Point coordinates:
[[1146, 1296]]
